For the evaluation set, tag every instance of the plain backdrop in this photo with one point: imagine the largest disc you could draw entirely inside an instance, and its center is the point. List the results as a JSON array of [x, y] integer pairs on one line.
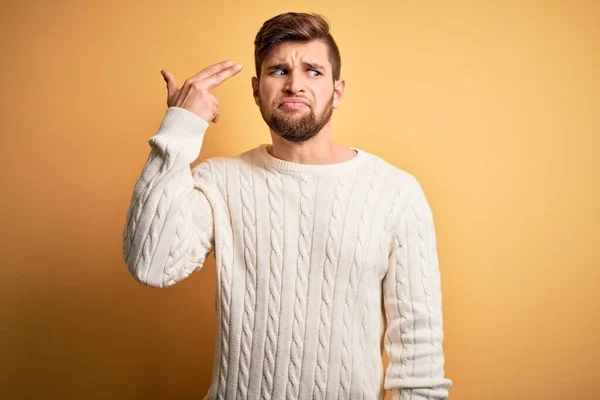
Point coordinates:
[[493, 106]]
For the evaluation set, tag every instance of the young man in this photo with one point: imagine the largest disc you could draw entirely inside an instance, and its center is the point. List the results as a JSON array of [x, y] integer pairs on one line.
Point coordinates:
[[316, 244]]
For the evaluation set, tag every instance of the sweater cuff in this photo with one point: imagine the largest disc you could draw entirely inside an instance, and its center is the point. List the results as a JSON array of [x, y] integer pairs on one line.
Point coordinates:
[[181, 132], [181, 122], [406, 394], [410, 394]]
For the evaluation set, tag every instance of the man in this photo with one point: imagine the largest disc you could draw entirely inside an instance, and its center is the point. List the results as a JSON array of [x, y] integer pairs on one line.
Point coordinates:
[[311, 239]]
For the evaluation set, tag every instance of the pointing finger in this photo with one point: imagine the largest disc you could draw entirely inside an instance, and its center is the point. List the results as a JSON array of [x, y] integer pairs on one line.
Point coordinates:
[[216, 79], [213, 69]]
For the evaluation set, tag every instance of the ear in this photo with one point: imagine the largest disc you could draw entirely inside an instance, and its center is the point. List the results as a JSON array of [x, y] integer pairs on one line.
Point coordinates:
[[338, 92], [255, 89]]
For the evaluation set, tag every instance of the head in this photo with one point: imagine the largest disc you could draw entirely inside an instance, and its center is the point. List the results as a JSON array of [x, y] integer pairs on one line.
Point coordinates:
[[297, 84]]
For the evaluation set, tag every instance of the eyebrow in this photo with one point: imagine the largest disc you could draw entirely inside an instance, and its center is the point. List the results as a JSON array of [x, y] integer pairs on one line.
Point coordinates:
[[275, 67], [283, 65], [314, 66]]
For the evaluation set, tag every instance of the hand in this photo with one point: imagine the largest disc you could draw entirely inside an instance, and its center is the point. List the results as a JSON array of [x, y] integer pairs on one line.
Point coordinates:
[[195, 95]]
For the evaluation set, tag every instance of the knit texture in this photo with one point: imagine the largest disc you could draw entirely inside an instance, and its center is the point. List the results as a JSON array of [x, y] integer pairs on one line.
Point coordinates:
[[316, 265]]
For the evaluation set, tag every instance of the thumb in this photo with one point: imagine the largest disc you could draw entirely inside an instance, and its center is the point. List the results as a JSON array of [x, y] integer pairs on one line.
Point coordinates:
[[170, 81]]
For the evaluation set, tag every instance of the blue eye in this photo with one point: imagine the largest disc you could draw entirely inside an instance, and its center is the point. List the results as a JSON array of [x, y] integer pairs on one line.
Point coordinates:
[[277, 72], [317, 73]]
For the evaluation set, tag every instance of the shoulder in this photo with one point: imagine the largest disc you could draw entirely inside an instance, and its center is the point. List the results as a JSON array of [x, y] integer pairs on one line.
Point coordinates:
[[223, 163], [408, 193], [398, 179], [219, 168]]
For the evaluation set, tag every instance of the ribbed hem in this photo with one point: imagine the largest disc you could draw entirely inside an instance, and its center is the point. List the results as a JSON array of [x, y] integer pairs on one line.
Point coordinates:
[[181, 122], [328, 169], [182, 133]]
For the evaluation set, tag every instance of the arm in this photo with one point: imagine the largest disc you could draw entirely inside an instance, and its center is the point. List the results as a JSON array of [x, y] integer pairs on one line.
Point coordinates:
[[413, 306], [169, 228]]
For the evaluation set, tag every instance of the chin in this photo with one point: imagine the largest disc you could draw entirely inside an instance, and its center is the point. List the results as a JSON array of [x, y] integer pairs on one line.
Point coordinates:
[[296, 139]]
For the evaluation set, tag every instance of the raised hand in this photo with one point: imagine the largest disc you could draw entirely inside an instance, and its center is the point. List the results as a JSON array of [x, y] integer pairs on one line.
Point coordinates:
[[196, 93]]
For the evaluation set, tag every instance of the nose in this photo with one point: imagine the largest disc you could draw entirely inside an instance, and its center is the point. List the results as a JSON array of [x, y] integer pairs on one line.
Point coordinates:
[[293, 83]]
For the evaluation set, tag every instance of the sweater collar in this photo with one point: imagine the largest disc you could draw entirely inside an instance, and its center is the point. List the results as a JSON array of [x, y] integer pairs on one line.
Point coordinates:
[[287, 166]]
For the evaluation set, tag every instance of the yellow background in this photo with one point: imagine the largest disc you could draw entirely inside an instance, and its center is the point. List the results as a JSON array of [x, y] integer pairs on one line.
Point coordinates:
[[494, 108]]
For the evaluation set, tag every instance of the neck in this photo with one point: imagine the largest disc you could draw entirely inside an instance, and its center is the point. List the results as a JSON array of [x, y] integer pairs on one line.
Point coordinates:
[[319, 150]]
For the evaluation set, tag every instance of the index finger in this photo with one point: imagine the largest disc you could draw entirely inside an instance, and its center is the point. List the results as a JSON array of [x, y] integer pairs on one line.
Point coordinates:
[[213, 69], [216, 79]]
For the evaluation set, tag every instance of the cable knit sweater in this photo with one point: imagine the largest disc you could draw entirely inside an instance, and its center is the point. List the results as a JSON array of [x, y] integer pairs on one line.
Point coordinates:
[[318, 267]]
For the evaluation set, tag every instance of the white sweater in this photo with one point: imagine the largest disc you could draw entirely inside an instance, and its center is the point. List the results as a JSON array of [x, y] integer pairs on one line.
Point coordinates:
[[318, 267]]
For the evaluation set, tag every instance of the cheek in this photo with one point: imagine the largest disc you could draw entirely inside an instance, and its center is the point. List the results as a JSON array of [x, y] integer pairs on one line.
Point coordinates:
[[323, 96], [266, 94]]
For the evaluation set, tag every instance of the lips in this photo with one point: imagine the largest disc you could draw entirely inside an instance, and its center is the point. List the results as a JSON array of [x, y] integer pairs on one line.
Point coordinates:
[[294, 103]]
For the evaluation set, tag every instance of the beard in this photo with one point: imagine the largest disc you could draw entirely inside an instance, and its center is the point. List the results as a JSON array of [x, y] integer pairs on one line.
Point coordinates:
[[296, 125]]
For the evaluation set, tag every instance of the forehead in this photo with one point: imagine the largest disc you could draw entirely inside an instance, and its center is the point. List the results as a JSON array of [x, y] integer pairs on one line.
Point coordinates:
[[315, 51]]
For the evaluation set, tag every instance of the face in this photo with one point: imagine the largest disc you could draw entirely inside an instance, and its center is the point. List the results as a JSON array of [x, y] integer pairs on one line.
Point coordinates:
[[296, 92]]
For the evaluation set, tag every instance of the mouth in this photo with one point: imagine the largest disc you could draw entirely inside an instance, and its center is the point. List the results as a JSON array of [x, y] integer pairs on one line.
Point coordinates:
[[294, 104]]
